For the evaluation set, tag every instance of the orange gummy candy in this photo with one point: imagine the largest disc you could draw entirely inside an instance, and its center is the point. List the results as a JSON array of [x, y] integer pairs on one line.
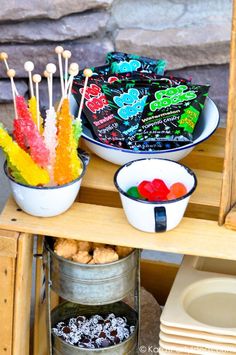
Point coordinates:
[[176, 190]]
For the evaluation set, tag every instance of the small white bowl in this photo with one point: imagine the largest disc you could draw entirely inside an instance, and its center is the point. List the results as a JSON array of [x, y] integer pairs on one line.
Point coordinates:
[[159, 216], [206, 126], [44, 201]]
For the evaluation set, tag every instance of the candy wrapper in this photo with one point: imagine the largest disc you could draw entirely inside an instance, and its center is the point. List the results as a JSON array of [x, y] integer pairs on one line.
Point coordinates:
[[127, 102], [127, 98], [123, 63], [172, 113], [104, 124]]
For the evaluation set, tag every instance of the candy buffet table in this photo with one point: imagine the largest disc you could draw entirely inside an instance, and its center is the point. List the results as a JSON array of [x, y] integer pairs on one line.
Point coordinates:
[[98, 217]]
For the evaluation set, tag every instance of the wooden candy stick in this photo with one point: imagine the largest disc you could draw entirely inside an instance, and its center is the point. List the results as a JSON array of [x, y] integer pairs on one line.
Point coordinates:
[[73, 71], [87, 73], [47, 75], [51, 69], [66, 55], [36, 79], [11, 73], [4, 57], [59, 50], [29, 67]]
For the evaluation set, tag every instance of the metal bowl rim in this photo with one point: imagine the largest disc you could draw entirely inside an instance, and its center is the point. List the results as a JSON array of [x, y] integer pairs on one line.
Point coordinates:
[[88, 265]]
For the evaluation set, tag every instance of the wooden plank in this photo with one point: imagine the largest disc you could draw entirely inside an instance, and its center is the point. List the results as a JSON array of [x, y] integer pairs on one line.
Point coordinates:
[[230, 221], [40, 330], [8, 243], [109, 225], [22, 295], [228, 195], [40, 340], [7, 280], [157, 277]]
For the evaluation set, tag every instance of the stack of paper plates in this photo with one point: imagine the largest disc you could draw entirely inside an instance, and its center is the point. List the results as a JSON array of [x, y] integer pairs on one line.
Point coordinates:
[[200, 314]]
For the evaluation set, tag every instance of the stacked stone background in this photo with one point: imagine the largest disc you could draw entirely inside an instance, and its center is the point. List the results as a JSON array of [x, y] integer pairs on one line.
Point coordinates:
[[193, 36]]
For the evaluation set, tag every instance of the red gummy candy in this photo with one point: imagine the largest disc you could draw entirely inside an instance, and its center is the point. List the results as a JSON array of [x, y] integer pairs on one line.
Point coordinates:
[[145, 188], [157, 196], [176, 190], [159, 185]]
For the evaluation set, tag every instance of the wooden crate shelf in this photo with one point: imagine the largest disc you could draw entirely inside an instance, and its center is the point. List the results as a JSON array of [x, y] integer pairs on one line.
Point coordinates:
[[98, 217], [108, 224]]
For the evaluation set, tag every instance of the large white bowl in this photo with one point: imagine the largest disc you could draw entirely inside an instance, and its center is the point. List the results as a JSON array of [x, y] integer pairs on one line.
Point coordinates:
[[207, 124]]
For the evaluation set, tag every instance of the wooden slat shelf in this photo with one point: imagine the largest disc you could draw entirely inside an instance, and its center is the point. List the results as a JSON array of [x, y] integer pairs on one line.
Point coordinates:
[[206, 160], [109, 225]]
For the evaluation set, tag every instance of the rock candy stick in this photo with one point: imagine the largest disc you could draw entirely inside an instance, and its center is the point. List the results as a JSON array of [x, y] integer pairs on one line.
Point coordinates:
[[27, 134], [33, 103], [50, 139], [67, 164], [18, 158]]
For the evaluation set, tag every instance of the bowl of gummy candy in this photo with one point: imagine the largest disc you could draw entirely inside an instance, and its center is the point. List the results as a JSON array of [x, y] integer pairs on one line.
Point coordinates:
[[132, 110], [154, 192]]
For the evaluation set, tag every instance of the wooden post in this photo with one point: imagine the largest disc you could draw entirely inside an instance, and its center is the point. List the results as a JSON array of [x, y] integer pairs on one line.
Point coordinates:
[[22, 295], [228, 192]]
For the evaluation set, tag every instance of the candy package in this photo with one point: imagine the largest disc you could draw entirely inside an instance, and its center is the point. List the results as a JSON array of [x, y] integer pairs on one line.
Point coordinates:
[[123, 63], [171, 114], [106, 126], [127, 99]]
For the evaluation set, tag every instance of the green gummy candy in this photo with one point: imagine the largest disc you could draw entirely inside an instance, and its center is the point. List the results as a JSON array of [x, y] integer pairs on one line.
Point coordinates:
[[133, 192]]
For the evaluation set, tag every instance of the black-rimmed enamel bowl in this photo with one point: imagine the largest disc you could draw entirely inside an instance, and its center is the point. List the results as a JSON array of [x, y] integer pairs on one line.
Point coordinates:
[[159, 216], [45, 201], [206, 126]]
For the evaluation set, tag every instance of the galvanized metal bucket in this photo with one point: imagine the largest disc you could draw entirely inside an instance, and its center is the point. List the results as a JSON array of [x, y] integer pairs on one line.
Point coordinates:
[[67, 310], [91, 284]]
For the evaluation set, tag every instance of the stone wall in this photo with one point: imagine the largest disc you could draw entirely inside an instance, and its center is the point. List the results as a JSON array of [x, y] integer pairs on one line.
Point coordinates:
[[192, 35]]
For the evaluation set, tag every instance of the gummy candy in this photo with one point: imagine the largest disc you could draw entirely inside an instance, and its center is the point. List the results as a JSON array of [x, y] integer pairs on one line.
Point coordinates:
[[156, 190], [145, 188], [133, 192], [176, 190], [159, 184]]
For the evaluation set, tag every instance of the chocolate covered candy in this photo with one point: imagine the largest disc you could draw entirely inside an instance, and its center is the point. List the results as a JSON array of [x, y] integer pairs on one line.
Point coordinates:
[[94, 332]]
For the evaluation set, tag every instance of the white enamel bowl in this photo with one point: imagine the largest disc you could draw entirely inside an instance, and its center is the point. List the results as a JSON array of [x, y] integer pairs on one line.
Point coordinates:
[[207, 124]]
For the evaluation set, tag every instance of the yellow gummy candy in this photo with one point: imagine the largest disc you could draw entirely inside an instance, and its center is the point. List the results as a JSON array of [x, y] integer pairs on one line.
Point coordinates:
[[29, 170], [32, 102]]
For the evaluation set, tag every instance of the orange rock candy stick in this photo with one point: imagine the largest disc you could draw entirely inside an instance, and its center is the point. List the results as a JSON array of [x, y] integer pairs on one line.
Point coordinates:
[[67, 164]]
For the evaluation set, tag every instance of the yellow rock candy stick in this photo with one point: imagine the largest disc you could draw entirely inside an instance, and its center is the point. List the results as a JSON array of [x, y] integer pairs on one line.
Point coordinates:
[[23, 163], [32, 102]]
